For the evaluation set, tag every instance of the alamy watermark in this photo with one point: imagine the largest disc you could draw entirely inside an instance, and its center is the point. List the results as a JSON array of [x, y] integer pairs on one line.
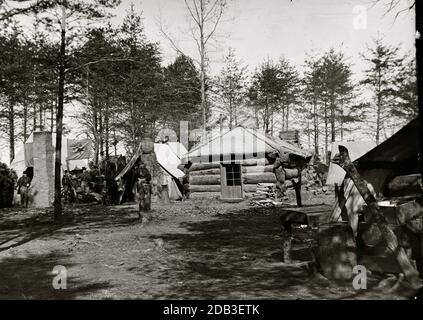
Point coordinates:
[[60, 280], [360, 17], [360, 280]]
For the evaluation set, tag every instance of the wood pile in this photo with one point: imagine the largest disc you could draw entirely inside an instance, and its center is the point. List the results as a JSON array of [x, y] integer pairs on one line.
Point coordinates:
[[264, 196]]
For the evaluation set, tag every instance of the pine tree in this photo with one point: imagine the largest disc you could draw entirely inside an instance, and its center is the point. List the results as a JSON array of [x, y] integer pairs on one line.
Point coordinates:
[[231, 87], [380, 77]]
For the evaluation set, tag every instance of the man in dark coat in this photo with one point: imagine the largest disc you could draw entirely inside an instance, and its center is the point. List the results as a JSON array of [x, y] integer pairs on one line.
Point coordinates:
[[23, 185]]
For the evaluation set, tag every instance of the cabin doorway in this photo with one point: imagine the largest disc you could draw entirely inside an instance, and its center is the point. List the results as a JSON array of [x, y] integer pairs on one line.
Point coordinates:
[[231, 182]]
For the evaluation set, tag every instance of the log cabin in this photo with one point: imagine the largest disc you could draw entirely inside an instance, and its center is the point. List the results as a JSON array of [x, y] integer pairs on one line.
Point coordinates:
[[230, 165]]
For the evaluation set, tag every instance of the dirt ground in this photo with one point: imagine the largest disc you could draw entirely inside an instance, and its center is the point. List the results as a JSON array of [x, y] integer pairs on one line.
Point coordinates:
[[198, 249]]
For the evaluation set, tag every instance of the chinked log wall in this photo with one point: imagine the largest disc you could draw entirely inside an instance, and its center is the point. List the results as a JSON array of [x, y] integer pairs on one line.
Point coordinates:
[[206, 177]]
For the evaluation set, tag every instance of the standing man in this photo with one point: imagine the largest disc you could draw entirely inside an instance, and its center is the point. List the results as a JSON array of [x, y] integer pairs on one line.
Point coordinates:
[[280, 174], [144, 192], [85, 181], [23, 186], [68, 187]]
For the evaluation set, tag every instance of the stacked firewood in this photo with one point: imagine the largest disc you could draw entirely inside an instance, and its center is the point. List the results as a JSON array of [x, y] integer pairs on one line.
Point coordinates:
[[264, 195]]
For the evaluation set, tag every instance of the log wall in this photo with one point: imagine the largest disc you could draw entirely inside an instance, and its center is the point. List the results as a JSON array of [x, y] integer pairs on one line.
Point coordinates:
[[205, 178]]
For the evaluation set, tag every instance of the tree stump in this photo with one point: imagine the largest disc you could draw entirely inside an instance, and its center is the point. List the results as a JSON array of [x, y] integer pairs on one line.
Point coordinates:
[[286, 246], [144, 192], [165, 194]]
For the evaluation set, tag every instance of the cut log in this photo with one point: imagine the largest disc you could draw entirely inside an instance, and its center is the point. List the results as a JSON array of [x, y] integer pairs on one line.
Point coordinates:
[[257, 169], [268, 177], [405, 186], [205, 188], [255, 162], [205, 172], [343, 160], [205, 180], [203, 166]]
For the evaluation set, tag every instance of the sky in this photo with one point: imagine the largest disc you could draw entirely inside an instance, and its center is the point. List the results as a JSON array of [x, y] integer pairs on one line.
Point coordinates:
[[261, 29]]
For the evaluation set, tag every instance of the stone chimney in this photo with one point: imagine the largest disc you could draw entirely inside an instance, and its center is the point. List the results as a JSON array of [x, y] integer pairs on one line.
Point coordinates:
[[43, 181]]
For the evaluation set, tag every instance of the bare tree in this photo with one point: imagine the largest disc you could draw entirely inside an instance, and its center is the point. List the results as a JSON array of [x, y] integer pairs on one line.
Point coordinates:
[[205, 16]]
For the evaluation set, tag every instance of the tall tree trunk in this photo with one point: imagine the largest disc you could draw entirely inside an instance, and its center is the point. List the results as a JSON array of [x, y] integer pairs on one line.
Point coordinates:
[[34, 116], [202, 73], [341, 120], [95, 131], [379, 107], [41, 116], [378, 116], [287, 117], [34, 106], [308, 134], [106, 126], [100, 128], [25, 121], [59, 121], [231, 114], [11, 130], [332, 119], [53, 105], [326, 134], [419, 58], [316, 129]]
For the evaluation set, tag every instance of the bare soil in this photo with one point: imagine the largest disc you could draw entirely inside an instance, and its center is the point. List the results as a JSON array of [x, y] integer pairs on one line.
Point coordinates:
[[198, 249]]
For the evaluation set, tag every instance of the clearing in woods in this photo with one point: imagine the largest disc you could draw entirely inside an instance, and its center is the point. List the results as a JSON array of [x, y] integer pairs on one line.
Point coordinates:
[[192, 249]]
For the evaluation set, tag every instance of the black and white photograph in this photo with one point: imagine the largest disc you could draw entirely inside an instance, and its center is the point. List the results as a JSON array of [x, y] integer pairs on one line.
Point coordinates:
[[210, 150]]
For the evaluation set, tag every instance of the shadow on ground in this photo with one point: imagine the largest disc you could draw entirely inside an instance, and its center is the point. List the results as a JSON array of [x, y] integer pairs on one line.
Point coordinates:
[[233, 256], [15, 231], [31, 277]]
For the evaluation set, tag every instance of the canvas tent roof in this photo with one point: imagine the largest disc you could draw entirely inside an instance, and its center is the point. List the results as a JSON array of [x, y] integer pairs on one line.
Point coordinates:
[[355, 149], [240, 143], [402, 146], [21, 162], [168, 156]]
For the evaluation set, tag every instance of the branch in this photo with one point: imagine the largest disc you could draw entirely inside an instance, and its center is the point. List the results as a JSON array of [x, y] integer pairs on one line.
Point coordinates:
[[196, 19], [215, 25]]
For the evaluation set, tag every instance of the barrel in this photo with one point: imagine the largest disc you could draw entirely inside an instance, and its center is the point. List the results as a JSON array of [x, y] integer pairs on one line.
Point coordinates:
[[337, 251]]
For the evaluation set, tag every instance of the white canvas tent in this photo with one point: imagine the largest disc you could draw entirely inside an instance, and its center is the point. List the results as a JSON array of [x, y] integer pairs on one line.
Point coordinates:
[[23, 156], [168, 156]]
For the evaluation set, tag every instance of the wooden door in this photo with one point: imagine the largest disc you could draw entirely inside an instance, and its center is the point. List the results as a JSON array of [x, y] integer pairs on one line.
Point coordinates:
[[231, 182]]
